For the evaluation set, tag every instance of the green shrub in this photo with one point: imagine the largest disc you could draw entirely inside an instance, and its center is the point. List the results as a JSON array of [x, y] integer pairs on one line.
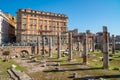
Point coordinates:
[[6, 53]]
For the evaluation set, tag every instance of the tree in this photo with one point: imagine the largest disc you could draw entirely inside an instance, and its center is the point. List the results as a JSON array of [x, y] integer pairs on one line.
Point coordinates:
[[6, 53]]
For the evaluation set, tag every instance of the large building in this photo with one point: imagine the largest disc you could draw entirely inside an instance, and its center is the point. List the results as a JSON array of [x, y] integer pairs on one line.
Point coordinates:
[[33, 24], [117, 39], [12, 27], [7, 28], [99, 40], [79, 37]]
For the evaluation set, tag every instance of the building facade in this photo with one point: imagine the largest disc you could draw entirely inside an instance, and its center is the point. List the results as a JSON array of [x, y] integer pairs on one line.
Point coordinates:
[[117, 39], [79, 37], [32, 25], [99, 40], [12, 27], [7, 30]]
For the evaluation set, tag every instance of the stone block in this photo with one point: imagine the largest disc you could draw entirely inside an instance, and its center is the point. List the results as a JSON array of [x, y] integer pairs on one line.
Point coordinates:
[[13, 66]]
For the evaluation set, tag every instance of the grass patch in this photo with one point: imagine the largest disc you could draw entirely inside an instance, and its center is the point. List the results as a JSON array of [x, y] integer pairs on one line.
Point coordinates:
[[4, 66]]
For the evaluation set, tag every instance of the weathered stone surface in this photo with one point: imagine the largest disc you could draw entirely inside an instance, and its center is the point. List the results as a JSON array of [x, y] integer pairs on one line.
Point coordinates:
[[70, 47], [59, 46], [50, 47], [18, 75], [105, 48], [85, 49], [43, 46], [12, 75], [113, 44], [13, 66], [78, 46]]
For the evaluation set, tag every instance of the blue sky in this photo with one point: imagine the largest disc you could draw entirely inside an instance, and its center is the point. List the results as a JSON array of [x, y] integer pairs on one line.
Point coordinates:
[[83, 14]]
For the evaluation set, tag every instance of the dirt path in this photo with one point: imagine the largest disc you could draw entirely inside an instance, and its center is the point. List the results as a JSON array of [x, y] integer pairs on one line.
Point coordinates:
[[30, 66]]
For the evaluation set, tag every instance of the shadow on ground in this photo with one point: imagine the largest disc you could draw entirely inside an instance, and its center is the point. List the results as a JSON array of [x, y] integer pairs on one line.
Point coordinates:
[[98, 77], [56, 61], [79, 69], [71, 64]]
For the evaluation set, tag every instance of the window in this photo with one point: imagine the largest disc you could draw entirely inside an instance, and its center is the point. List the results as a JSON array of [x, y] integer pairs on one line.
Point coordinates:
[[35, 27], [30, 26], [49, 22], [31, 32], [50, 28], [31, 21], [23, 32], [65, 24], [45, 22], [40, 38], [57, 23], [24, 14], [31, 15], [64, 29], [40, 16], [60, 24], [54, 28], [57, 28], [54, 23], [24, 20], [34, 38], [18, 27], [24, 26], [45, 27], [41, 22], [35, 41], [30, 38], [34, 15], [34, 33], [41, 27], [23, 38], [61, 28], [35, 21]]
